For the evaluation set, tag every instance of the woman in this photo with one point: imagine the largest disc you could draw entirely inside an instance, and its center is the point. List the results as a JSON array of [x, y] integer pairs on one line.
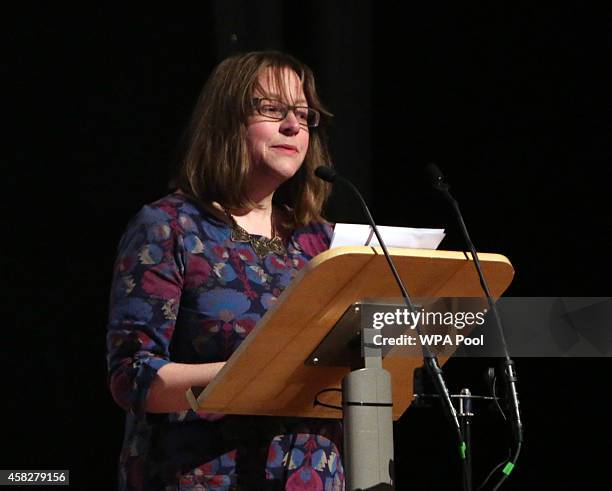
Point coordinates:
[[197, 269]]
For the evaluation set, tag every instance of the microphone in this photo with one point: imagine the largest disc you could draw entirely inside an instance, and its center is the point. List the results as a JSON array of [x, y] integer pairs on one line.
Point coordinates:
[[436, 179], [431, 362], [326, 173]]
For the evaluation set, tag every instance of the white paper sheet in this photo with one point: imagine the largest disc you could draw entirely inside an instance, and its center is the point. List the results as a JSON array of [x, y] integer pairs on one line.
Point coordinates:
[[350, 234]]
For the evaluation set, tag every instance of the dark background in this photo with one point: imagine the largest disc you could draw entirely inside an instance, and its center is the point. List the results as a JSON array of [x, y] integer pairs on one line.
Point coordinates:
[[511, 101]]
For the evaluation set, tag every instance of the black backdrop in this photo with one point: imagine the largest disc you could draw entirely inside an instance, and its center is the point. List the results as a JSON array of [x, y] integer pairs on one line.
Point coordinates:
[[512, 102]]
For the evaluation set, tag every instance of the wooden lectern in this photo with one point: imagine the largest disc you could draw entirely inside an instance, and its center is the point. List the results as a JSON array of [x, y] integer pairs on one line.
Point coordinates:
[[269, 373]]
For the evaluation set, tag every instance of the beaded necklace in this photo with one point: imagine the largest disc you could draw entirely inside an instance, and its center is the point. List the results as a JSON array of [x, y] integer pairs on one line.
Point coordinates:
[[261, 245]]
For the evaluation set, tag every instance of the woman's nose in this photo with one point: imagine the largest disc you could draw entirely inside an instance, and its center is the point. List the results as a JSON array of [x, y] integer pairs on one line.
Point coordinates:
[[290, 125]]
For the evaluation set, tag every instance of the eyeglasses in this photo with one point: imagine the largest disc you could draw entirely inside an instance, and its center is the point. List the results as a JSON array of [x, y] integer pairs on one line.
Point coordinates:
[[278, 110]]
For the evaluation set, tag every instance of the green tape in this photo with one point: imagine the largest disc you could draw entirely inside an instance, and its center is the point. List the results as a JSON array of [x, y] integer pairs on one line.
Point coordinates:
[[462, 449], [508, 468]]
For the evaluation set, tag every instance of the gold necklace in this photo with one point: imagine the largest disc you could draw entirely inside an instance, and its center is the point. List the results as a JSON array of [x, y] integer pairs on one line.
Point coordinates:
[[260, 244]]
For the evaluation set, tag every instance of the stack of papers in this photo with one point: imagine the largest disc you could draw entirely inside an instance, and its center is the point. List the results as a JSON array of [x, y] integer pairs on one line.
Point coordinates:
[[350, 234]]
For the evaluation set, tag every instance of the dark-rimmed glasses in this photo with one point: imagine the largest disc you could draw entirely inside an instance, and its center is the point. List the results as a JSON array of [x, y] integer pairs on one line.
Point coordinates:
[[278, 110]]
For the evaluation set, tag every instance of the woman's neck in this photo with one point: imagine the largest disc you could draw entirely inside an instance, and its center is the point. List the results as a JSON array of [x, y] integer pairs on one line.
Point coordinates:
[[259, 220]]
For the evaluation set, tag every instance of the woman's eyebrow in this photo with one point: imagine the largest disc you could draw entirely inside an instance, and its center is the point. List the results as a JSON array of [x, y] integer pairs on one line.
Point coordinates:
[[280, 98]]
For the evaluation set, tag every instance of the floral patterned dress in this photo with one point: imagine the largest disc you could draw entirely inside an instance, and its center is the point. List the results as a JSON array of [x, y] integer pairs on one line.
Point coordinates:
[[185, 291]]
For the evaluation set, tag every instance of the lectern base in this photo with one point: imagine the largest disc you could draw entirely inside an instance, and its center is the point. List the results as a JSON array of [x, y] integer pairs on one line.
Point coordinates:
[[368, 429]]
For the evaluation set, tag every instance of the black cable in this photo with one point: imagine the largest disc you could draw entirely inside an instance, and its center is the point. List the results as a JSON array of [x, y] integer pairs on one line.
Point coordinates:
[[503, 415], [316, 401], [497, 400], [508, 468], [490, 474]]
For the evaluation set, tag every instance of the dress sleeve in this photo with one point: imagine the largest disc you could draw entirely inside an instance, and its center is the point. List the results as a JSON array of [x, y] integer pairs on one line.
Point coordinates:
[[145, 294], [314, 238]]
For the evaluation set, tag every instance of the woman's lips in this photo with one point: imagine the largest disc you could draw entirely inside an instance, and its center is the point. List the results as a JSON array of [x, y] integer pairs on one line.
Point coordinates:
[[289, 149]]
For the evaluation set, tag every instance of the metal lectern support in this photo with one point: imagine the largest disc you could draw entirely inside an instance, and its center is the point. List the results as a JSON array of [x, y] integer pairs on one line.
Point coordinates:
[[368, 421]]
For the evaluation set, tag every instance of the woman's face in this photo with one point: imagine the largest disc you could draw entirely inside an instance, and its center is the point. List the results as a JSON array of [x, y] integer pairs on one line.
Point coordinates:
[[277, 148]]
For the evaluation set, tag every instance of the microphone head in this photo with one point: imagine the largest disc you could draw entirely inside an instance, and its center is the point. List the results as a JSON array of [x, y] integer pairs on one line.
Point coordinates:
[[326, 173], [434, 176]]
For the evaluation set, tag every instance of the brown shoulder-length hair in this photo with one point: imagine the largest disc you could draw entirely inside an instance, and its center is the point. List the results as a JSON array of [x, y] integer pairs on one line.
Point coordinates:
[[216, 166]]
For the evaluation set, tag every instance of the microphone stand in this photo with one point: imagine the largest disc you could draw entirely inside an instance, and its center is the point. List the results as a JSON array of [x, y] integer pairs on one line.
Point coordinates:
[[465, 414], [438, 182], [429, 359]]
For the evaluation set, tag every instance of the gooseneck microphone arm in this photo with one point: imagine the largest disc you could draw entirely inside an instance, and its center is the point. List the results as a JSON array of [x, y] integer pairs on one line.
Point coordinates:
[[431, 362], [332, 177], [436, 178]]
